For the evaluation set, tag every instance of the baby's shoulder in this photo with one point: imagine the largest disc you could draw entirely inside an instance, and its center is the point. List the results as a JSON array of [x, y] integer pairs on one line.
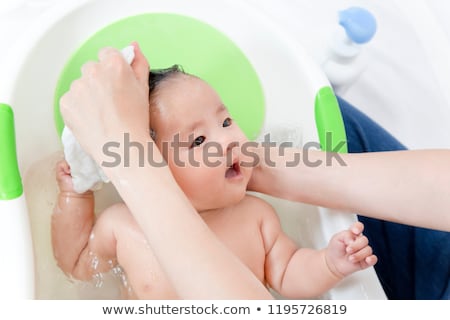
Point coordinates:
[[261, 213], [256, 206]]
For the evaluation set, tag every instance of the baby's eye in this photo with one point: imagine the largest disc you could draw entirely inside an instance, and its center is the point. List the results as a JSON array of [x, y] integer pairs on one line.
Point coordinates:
[[227, 122], [198, 141]]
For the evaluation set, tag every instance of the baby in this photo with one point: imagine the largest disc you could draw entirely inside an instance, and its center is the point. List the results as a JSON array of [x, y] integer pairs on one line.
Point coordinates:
[[202, 146]]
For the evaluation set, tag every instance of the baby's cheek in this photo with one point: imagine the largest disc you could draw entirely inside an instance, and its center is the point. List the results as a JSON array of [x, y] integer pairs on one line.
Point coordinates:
[[196, 174], [200, 182], [186, 158]]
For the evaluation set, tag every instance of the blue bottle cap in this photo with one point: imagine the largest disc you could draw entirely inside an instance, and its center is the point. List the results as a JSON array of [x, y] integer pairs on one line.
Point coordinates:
[[359, 24]]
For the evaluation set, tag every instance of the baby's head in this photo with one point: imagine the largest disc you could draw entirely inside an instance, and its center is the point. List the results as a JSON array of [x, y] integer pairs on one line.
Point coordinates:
[[199, 140]]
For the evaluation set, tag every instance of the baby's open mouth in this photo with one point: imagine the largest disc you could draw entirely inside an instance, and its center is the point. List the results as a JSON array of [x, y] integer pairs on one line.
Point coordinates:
[[233, 171]]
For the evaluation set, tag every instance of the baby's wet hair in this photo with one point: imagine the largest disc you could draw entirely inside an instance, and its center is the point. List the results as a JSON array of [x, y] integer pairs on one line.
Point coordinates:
[[157, 76]]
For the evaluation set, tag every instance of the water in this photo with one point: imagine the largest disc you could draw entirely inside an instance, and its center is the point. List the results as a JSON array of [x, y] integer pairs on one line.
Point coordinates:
[[301, 222], [51, 283]]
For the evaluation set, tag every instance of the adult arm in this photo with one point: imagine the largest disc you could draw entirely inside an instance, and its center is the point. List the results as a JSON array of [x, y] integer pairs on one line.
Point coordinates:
[[409, 187], [111, 100]]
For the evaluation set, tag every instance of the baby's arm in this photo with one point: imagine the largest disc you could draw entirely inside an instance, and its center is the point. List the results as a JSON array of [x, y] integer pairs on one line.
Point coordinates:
[[307, 273], [73, 230], [84, 247]]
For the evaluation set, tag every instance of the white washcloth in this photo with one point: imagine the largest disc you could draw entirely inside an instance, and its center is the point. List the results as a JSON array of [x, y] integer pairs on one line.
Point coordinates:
[[86, 174]]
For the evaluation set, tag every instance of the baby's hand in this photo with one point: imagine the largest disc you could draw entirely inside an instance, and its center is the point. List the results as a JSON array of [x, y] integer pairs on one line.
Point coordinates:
[[63, 176], [349, 251]]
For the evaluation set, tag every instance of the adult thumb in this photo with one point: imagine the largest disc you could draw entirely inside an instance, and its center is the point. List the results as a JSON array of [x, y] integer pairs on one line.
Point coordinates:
[[140, 65]]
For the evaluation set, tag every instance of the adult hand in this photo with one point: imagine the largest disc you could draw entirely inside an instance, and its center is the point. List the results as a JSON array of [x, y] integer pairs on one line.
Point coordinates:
[[110, 99], [273, 175], [365, 184]]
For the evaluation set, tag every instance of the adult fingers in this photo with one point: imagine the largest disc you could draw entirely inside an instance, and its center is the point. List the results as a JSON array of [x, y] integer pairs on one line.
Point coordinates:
[[140, 65], [89, 68], [108, 53], [68, 101]]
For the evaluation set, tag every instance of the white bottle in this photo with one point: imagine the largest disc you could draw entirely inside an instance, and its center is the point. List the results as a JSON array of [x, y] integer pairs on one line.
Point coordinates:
[[344, 59]]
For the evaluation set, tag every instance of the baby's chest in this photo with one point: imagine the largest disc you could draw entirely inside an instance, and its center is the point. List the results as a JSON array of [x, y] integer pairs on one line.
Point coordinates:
[[244, 239]]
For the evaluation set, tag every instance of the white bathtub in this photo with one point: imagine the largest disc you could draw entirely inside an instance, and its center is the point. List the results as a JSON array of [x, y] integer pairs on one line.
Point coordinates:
[[290, 81]]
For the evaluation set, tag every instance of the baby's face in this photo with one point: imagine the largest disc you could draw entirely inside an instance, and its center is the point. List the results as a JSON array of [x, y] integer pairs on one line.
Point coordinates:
[[200, 142]]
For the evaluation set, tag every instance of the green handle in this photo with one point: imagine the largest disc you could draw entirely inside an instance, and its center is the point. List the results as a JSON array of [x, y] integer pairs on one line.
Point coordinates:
[[329, 122], [10, 180]]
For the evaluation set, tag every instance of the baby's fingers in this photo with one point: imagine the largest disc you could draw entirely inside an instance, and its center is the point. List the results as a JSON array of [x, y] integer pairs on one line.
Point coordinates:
[[357, 228], [370, 261], [361, 255], [357, 244]]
